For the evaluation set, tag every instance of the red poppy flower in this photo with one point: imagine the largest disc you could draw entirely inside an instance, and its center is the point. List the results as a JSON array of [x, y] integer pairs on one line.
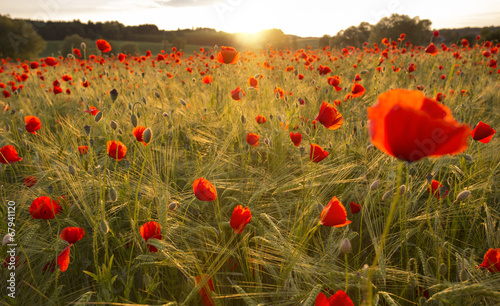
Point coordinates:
[[121, 57], [66, 78], [329, 116], [30, 181], [8, 155], [77, 52], [116, 150], [280, 92], [260, 119], [34, 65], [340, 298], [240, 218], [149, 230], [483, 132], [434, 189], [334, 214], [206, 297], [103, 45], [300, 76], [465, 42], [138, 131], [296, 138], [289, 69], [335, 81], [228, 55], [324, 70], [491, 260], [33, 124], [355, 208], [317, 153], [431, 49], [407, 125], [253, 82], [72, 234], [435, 33], [357, 90], [51, 61], [86, 84], [204, 190], [237, 94], [253, 139], [83, 150], [92, 110], [57, 90], [63, 258], [208, 79], [44, 208], [6, 94], [385, 41]]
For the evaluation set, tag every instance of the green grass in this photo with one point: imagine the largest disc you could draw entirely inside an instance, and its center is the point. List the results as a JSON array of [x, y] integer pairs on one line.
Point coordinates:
[[283, 257]]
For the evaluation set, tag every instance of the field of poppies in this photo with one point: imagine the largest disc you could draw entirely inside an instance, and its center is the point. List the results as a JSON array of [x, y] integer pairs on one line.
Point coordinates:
[[359, 176]]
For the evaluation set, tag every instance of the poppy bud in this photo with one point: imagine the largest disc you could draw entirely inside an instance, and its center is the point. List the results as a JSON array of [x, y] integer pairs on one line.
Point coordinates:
[[429, 178], [165, 114], [91, 141], [402, 189], [243, 119], [369, 147], [464, 276], [277, 95], [138, 115], [104, 226], [87, 129], [279, 118], [113, 125], [463, 195], [183, 102], [443, 270], [71, 170], [157, 94], [114, 94], [7, 239], [147, 135], [133, 119], [422, 301], [468, 157], [173, 205], [129, 106], [98, 117], [386, 195], [83, 46], [364, 72], [7, 128], [345, 247], [308, 130], [374, 185], [320, 207], [302, 150], [112, 195], [443, 191]]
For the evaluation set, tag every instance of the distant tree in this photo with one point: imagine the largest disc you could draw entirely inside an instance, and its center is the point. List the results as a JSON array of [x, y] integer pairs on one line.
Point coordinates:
[[129, 48], [19, 39], [112, 30], [417, 30], [352, 36], [324, 41], [75, 41], [179, 42]]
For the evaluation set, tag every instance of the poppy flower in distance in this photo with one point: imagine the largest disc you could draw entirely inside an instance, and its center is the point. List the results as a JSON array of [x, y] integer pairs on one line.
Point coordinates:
[[77, 52], [33, 124], [63, 258], [72, 234], [340, 298], [260, 119], [92, 110], [407, 125], [51, 61], [204, 190], [150, 230], [253, 139], [431, 49], [317, 153], [357, 90], [116, 149], [253, 82], [334, 214], [237, 94], [335, 81], [355, 208], [103, 45], [329, 117], [138, 131], [8, 155], [208, 79], [228, 55], [206, 297], [44, 208], [483, 132], [491, 261], [240, 218], [30, 181], [83, 150], [296, 138], [434, 189]]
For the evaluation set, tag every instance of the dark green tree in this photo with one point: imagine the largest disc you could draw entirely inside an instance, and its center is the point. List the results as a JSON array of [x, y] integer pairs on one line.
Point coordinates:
[[19, 39]]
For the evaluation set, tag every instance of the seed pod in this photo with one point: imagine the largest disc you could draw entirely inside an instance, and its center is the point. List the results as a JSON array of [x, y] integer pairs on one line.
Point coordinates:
[[462, 196], [113, 196], [147, 135], [429, 178], [173, 205], [87, 129], [346, 247], [308, 130], [133, 119], [443, 269], [442, 191], [98, 117], [114, 94], [71, 170], [464, 275], [113, 125], [374, 185], [468, 157], [83, 46]]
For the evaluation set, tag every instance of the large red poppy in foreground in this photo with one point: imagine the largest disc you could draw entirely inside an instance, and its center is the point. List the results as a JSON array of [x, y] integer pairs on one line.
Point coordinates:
[[407, 125]]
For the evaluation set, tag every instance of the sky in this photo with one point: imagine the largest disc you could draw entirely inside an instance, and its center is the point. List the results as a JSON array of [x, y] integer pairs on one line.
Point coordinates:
[[298, 17]]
